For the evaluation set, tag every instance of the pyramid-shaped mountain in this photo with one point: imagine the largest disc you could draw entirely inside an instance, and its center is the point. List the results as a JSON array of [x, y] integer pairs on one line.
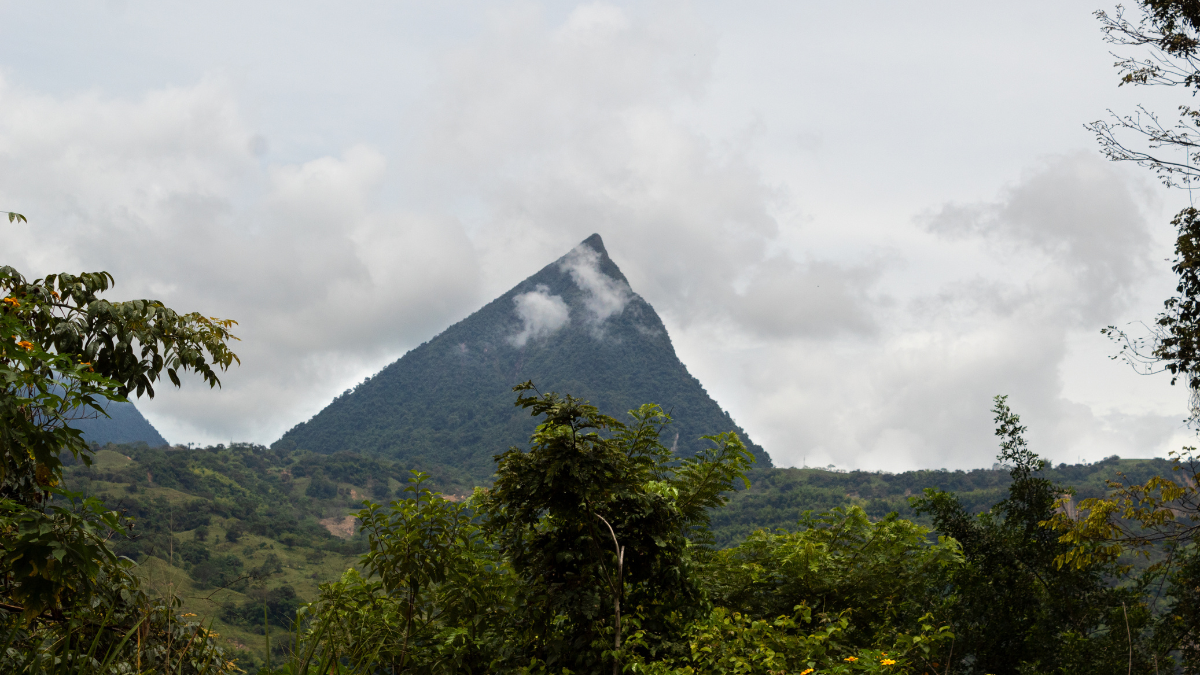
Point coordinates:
[[574, 327]]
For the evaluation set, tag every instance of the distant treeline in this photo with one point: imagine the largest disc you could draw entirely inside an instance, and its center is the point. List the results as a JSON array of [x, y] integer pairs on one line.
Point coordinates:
[[777, 498]]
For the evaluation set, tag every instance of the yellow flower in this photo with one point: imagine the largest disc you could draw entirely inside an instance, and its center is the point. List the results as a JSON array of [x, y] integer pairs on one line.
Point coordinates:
[[189, 614], [26, 345], [850, 659], [12, 301], [887, 662], [806, 671]]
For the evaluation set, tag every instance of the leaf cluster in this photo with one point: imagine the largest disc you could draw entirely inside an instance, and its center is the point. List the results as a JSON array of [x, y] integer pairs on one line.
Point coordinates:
[[63, 352]]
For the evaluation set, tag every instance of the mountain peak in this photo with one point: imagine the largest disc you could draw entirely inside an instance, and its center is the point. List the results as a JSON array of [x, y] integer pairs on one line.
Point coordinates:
[[575, 327], [595, 243]]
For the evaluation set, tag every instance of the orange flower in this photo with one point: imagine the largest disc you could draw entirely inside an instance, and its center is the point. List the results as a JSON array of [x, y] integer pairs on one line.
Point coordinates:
[[26, 345], [12, 301], [887, 662], [806, 671], [850, 659]]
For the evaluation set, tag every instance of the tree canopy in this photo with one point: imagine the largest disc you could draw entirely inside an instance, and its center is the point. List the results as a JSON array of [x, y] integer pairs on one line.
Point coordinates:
[[63, 351]]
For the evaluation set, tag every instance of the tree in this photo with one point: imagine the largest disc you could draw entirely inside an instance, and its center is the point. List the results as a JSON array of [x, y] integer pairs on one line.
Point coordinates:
[[596, 517], [1015, 608], [886, 576], [64, 351], [1169, 32], [1158, 520], [432, 600]]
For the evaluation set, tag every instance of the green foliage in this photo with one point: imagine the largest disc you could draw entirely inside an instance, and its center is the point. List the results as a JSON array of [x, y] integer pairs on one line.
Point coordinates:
[[731, 642], [321, 487], [278, 606], [1157, 519], [589, 552], [69, 604], [251, 488], [1174, 339], [885, 576], [598, 514], [778, 498], [433, 600], [64, 349], [120, 631], [1015, 609]]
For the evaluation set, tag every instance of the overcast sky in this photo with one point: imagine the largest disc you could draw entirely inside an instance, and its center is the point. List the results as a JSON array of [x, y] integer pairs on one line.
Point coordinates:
[[859, 220]]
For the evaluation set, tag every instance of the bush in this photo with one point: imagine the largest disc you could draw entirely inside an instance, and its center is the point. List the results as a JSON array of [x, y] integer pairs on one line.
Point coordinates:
[[221, 572], [321, 488]]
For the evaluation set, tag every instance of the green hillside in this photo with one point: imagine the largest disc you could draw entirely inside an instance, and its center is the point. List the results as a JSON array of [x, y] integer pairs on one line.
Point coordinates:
[[777, 497], [228, 530], [446, 406]]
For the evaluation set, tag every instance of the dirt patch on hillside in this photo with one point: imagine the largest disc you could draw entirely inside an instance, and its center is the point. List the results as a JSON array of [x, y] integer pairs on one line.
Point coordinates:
[[340, 527]]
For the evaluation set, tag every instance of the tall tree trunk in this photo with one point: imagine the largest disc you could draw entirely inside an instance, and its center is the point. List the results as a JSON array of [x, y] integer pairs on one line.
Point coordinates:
[[617, 609]]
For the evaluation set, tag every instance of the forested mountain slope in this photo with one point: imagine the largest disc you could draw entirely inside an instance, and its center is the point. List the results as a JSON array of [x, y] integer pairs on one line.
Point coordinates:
[[227, 530], [124, 424], [576, 326]]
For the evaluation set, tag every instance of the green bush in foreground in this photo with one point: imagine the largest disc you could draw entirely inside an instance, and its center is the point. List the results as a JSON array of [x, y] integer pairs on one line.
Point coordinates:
[[67, 602]]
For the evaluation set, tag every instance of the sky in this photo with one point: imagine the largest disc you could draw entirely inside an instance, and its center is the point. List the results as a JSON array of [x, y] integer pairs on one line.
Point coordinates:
[[859, 221]]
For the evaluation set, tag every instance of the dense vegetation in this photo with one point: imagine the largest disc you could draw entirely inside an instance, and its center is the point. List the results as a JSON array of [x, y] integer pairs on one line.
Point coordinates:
[[780, 497], [592, 552], [228, 525], [442, 406]]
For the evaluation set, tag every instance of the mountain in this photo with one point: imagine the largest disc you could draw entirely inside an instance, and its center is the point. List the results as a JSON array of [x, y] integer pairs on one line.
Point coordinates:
[[124, 424], [574, 327]]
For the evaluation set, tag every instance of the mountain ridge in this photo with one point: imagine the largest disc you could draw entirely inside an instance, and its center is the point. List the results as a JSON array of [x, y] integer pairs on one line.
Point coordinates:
[[124, 424], [575, 326]]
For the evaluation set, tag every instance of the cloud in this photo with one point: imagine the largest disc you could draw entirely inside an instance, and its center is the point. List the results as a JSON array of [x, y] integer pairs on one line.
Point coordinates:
[[784, 299], [165, 192], [559, 131], [1057, 255], [1075, 212], [541, 315], [604, 295], [795, 286]]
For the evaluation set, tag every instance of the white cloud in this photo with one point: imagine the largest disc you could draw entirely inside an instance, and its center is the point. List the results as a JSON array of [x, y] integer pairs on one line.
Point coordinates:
[[541, 315], [165, 193], [604, 295], [347, 203], [1056, 256], [1080, 216]]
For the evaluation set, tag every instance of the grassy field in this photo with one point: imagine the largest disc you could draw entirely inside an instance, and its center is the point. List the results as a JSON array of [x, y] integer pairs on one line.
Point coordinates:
[[300, 563]]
